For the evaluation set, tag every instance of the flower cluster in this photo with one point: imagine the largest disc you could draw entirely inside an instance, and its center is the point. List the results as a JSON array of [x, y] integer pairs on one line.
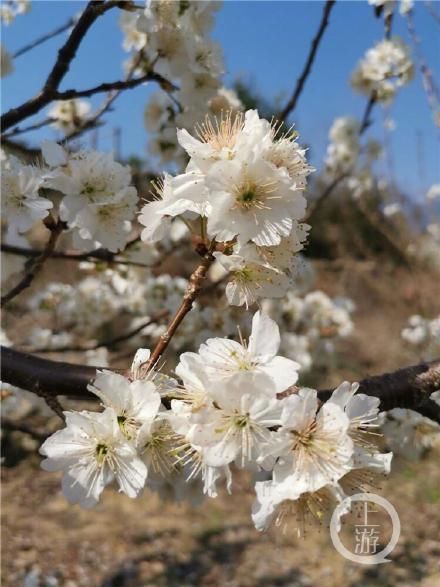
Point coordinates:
[[408, 433], [244, 182], [423, 334], [313, 325], [98, 204], [174, 38], [385, 68], [346, 156], [344, 147], [228, 409]]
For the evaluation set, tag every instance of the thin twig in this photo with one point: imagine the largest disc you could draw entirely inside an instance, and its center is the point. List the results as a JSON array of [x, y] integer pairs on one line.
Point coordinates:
[[66, 54], [18, 131], [93, 121], [116, 85], [291, 104], [432, 11], [191, 293], [431, 90], [45, 38], [56, 228], [108, 342], [99, 254], [365, 124]]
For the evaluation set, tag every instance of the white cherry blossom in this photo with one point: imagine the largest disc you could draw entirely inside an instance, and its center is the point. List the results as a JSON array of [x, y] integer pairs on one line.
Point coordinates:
[[92, 452]]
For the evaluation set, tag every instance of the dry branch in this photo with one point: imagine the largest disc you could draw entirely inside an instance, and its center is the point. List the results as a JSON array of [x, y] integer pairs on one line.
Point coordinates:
[[66, 54], [36, 264]]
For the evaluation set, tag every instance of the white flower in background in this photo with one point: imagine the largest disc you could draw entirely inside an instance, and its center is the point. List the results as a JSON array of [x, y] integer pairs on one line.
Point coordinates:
[[225, 100], [300, 347], [314, 446], [133, 37], [92, 452], [361, 183], [392, 209], [22, 205], [312, 325], [423, 334], [434, 192], [69, 115], [99, 203], [249, 366], [157, 112], [134, 402], [409, 434], [344, 148], [250, 278], [406, 6], [46, 338], [345, 129], [6, 63], [12, 8], [383, 69]]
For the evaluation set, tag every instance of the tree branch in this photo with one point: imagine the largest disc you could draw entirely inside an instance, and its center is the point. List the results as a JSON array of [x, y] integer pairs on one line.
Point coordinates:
[[44, 38], [291, 104], [365, 123], [56, 228], [97, 254], [107, 342], [192, 291], [18, 130], [66, 54], [409, 387], [117, 85]]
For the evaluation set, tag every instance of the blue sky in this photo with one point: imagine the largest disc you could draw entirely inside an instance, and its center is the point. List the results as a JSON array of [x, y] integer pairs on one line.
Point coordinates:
[[264, 42]]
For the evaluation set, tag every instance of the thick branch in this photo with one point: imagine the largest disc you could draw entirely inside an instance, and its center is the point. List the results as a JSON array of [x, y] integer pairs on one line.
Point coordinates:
[[291, 104], [409, 387]]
